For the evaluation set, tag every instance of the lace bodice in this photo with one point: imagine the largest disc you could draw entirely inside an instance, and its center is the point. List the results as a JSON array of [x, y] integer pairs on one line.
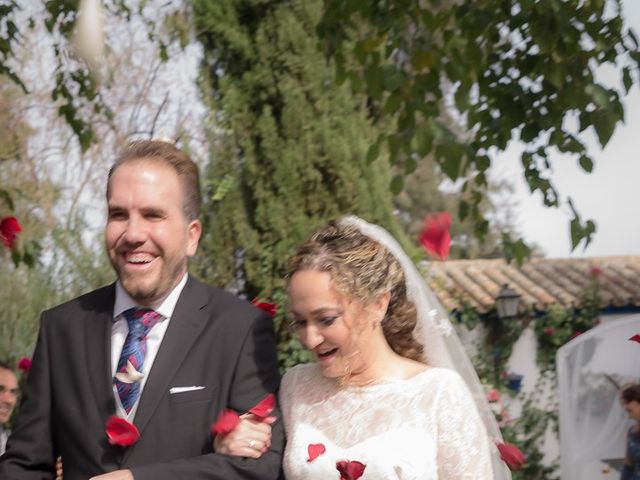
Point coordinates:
[[426, 427]]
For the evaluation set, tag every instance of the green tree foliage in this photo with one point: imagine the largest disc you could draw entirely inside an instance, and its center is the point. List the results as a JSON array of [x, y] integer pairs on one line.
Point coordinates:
[[509, 69], [289, 145]]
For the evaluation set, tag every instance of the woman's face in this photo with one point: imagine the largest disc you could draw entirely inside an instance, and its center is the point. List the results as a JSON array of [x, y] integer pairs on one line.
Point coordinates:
[[633, 409], [336, 328]]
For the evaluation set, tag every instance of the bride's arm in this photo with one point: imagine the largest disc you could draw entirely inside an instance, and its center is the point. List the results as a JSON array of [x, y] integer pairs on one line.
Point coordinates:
[[463, 443]]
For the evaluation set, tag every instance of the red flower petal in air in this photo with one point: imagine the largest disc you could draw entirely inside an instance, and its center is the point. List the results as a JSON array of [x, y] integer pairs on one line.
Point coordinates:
[[270, 308], [9, 229], [265, 406], [511, 455], [635, 338], [120, 432], [350, 470], [226, 422], [315, 450], [493, 395], [435, 237], [24, 364]]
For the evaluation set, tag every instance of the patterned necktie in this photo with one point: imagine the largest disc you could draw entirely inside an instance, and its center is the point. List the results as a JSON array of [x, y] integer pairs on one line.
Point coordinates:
[[129, 372]]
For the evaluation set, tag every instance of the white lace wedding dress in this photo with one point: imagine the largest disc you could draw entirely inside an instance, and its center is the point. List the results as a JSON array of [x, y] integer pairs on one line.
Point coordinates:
[[425, 428]]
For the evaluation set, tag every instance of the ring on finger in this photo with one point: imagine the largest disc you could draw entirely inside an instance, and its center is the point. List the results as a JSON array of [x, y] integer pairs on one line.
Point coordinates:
[[252, 443]]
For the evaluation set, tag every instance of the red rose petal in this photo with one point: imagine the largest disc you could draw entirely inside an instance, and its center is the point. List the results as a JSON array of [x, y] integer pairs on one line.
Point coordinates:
[[24, 364], [511, 455], [350, 470], [315, 450], [9, 229], [227, 421], [265, 406], [435, 237], [270, 308], [120, 432], [635, 338]]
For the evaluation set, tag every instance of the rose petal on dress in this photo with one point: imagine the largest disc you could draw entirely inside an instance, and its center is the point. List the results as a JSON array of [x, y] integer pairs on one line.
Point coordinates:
[[265, 406], [227, 421], [635, 338], [350, 470], [315, 450], [120, 432]]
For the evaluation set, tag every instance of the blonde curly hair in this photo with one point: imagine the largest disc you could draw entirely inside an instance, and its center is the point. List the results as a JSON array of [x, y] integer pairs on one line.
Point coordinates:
[[363, 269]]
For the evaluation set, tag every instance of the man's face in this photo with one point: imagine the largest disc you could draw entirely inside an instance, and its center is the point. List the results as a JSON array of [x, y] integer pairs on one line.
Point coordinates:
[[148, 237], [8, 394]]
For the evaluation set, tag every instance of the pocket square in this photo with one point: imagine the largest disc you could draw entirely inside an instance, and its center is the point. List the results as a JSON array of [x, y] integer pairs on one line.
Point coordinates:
[[193, 388]]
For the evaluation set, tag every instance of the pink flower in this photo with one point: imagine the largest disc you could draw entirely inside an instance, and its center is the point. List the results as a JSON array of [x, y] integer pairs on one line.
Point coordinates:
[[270, 308], [493, 395], [635, 338], [9, 229], [435, 236], [350, 470], [227, 421], [575, 334], [595, 271], [120, 432], [315, 450], [511, 455], [549, 331], [24, 364]]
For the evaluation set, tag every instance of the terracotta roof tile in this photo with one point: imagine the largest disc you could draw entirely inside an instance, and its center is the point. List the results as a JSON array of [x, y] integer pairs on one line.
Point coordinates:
[[541, 281]]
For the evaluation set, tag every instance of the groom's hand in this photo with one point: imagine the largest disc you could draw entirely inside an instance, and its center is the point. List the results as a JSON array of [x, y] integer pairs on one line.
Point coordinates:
[[117, 475]]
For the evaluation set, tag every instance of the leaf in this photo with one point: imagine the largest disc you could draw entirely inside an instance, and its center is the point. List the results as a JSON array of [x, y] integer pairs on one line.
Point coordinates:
[[586, 163], [373, 152], [604, 126], [422, 60], [627, 81], [397, 184]]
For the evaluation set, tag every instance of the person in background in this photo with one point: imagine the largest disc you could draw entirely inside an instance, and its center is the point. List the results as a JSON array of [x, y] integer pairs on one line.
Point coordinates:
[[9, 392], [630, 398]]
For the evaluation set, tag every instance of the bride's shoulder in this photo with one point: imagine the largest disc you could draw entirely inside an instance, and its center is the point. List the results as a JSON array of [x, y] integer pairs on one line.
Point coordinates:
[[300, 374]]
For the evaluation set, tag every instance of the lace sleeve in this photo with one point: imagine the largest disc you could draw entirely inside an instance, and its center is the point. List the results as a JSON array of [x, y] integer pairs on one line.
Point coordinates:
[[463, 444]]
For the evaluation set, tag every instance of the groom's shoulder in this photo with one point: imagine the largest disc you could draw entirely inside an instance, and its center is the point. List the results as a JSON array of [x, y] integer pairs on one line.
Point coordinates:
[[98, 300]]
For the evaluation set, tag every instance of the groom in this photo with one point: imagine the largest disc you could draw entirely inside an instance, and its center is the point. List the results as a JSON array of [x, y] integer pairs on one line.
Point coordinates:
[[157, 348]]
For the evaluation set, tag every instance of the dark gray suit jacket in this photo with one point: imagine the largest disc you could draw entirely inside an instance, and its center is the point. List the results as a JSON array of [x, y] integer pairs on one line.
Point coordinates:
[[213, 340]]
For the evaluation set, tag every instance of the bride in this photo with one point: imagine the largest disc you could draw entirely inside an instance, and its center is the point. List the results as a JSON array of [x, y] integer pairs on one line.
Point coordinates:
[[390, 395]]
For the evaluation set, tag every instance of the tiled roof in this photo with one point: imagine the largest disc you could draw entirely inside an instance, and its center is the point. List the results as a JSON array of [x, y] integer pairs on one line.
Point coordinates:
[[540, 281]]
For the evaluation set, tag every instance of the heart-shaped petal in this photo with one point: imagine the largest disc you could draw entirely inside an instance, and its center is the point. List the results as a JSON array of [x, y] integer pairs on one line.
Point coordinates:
[[315, 450]]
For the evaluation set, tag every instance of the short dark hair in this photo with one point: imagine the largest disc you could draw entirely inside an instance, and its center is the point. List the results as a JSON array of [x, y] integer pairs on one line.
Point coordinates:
[[168, 154], [631, 394], [5, 365]]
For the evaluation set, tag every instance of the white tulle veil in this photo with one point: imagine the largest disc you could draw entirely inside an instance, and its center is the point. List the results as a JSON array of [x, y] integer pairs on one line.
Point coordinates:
[[434, 331]]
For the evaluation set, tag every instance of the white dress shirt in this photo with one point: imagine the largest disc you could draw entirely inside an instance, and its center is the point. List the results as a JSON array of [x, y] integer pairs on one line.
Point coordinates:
[[120, 329], [4, 436]]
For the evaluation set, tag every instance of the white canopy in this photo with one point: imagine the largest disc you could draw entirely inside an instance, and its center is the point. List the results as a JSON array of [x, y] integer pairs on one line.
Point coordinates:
[[593, 425]]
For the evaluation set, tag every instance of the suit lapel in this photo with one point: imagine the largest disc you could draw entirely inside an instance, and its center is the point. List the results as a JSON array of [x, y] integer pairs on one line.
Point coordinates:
[[97, 332], [187, 322]]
